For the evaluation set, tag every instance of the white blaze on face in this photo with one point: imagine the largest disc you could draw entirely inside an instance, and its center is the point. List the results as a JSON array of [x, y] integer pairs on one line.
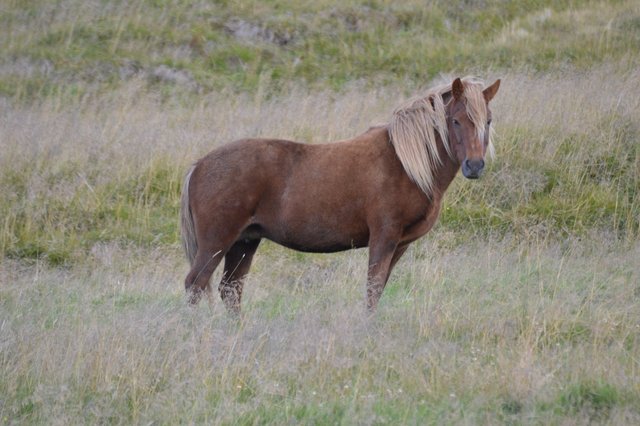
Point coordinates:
[[480, 135], [476, 111]]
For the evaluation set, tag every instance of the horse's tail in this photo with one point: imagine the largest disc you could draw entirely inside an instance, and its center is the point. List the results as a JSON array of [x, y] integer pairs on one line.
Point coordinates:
[[187, 226]]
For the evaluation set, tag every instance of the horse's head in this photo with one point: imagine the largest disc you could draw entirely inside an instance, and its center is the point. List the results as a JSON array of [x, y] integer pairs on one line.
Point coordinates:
[[469, 124]]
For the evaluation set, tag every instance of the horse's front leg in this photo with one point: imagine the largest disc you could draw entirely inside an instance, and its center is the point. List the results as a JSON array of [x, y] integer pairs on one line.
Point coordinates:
[[382, 250]]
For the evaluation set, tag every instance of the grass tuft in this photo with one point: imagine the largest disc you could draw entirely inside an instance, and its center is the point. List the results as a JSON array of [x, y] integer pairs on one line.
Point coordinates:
[[596, 398]]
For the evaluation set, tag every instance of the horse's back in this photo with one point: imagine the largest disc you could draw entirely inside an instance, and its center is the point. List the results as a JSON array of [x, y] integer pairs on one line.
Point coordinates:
[[285, 167]]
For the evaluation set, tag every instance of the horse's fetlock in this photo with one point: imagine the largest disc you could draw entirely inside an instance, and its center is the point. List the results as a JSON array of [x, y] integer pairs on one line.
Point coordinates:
[[193, 295]]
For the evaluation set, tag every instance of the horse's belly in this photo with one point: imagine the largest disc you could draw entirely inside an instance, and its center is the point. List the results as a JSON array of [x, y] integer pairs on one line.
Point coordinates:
[[318, 248], [317, 235]]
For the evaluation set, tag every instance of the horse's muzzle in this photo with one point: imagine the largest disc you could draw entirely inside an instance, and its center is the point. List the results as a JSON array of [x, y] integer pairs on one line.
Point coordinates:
[[472, 169]]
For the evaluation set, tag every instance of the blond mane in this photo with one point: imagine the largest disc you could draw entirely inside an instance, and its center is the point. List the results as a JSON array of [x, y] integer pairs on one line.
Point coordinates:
[[414, 129]]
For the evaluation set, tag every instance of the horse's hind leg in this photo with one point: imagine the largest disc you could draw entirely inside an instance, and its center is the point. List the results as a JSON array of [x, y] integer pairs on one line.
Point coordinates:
[[197, 281], [214, 241], [236, 266]]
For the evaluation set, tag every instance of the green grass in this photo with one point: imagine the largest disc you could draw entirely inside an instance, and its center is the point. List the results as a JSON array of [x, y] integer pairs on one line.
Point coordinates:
[[138, 209], [598, 397], [321, 44]]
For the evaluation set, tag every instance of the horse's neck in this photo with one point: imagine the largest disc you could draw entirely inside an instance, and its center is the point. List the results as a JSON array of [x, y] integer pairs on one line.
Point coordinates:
[[445, 172]]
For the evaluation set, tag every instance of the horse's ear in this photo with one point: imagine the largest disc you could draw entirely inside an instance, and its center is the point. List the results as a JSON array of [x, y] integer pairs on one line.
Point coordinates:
[[491, 91], [457, 89]]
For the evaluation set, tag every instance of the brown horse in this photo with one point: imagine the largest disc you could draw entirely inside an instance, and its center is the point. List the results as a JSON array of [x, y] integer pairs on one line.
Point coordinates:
[[382, 189]]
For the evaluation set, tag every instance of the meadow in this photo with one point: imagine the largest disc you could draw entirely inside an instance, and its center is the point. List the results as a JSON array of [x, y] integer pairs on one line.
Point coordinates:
[[519, 307]]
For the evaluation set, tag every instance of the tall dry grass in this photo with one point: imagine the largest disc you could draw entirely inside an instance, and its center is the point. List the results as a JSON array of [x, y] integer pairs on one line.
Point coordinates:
[[521, 306], [495, 331], [110, 169], [78, 171]]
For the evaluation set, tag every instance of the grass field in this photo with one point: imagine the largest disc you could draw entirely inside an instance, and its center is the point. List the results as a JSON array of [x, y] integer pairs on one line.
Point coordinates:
[[520, 307], [489, 332]]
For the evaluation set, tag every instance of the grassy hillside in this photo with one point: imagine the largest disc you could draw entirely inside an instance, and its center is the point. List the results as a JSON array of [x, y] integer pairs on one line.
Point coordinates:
[[520, 307], [78, 46]]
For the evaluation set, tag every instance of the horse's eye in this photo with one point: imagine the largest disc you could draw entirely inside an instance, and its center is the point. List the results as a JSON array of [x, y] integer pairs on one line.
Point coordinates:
[[456, 122]]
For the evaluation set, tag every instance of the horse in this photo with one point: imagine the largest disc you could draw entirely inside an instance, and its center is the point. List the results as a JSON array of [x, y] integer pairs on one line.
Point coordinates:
[[382, 189]]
